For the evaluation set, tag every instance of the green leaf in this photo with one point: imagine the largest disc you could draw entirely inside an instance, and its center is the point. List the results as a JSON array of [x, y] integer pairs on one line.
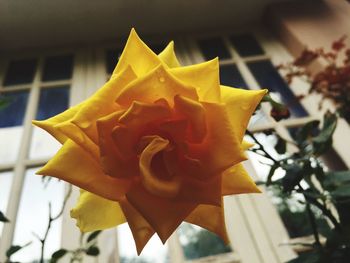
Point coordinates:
[[336, 179], [342, 191], [92, 251], [271, 173], [308, 257], [14, 248], [93, 235], [305, 131], [58, 254], [295, 172], [323, 141], [3, 218], [281, 146]]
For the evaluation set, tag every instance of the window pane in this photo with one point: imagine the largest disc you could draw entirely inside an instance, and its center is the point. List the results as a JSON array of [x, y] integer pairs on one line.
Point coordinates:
[[153, 252], [268, 77], [213, 47], [36, 197], [13, 113], [10, 140], [20, 72], [58, 68], [52, 101], [198, 242], [230, 76], [112, 57], [246, 45], [5, 187], [43, 145]]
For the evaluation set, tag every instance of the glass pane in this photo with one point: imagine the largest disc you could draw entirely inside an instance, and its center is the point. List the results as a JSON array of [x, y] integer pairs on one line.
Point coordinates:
[[230, 76], [10, 140], [52, 101], [58, 68], [43, 145], [33, 216], [20, 72], [13, 113], [213, 47], [5, 187], [112, 57], [153, 252], [198, 242], [268, 77], [246, 45]]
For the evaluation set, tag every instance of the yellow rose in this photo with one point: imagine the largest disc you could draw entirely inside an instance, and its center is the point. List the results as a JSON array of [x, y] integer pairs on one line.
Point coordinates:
[[157, 145]]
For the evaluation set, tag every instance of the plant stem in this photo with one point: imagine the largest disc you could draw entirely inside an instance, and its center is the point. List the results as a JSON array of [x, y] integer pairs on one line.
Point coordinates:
[[261, 147]]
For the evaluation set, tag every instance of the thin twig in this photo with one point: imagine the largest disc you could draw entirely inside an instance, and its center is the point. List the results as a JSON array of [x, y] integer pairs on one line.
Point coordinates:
[[261, 147], [51, 219]]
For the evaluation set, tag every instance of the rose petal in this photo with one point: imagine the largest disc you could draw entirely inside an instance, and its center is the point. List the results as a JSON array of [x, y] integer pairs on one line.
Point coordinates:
[[102, 103], [72, 164], [140, 228], [203, 76], [112, 160], [236, 180], [93, 212], [195, 113], [49, 125], [138, 55], [154, 185], [168, 56], [221, 148], [157, 84], [211, 218], [164, 215], [240, 105]]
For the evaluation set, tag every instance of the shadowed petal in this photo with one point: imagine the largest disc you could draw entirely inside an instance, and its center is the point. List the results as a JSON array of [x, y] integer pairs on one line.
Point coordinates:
[[211, 218], [236, 180], [164, 215], [140, 228]]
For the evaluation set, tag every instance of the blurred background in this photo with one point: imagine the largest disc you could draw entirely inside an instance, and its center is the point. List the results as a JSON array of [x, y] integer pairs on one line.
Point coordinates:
[[54, 54]]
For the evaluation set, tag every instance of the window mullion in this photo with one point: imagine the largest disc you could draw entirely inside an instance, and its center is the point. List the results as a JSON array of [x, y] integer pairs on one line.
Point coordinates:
[[20, 167]]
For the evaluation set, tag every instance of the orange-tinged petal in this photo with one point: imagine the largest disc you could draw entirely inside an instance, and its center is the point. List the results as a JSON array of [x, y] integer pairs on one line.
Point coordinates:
[[168, 56], [93, 212], [157, 84], [102, 103], [138, 55], [195, 114], [221, 148], [203, 76], [114, 162], [154, 185], [163, 214], [236, 180], [195, 190], [140, 228], [74, 165], [49, 125], [211, 218], [240, 105]]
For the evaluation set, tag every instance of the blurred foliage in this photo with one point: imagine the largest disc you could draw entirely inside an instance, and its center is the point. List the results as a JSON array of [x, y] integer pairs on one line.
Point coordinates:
[[201, 243], [311, 198]]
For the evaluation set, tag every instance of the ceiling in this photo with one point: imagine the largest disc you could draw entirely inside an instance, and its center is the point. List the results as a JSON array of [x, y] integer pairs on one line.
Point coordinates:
[[42, 23]]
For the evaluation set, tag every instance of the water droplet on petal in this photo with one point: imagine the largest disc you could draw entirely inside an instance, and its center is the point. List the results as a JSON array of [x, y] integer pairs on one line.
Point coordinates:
[[161, 79]]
